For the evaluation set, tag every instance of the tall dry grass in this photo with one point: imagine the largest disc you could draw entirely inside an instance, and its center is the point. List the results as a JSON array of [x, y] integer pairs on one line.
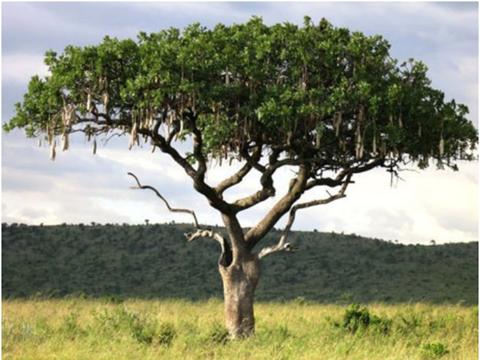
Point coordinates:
[[176, 329]]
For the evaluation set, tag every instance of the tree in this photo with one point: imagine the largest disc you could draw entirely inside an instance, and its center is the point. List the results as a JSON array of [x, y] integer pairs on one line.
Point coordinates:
[[322, 100]]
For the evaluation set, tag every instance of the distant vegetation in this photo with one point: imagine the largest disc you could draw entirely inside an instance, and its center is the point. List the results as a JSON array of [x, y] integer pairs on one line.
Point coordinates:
[[155, 261]]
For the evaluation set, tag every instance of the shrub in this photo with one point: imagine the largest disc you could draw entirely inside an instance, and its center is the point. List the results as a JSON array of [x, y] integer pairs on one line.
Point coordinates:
[[166, 334], [143, 331], [434, 350], [356, 318]]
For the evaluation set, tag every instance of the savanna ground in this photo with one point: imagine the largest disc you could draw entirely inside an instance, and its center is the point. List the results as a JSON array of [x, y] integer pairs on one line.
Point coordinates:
[[78, 328]]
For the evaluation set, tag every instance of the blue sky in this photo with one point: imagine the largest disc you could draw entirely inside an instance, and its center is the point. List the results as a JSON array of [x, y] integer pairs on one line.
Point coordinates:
[[80, 187]]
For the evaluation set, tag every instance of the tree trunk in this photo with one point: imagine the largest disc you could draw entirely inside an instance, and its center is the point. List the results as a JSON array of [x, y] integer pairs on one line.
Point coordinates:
[[239, 282]]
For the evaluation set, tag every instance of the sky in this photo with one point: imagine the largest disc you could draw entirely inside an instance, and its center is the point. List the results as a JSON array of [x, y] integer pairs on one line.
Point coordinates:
[[81, 187]]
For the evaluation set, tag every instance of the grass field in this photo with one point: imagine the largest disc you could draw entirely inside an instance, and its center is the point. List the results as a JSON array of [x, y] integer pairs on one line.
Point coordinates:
[[148, 329]]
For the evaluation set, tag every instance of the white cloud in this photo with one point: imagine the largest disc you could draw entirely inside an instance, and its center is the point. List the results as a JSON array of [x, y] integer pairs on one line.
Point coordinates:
[[19, 68]]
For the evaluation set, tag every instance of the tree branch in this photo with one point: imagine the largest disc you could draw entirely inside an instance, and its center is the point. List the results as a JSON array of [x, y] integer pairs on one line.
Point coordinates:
[[282, 244], [178, 210], [198, 179], [226, 255], [266, 181], [240, 174], [297, 187]]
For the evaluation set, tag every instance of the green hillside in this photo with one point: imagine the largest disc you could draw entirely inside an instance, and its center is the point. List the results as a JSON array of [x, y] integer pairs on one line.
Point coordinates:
[[155, 261]]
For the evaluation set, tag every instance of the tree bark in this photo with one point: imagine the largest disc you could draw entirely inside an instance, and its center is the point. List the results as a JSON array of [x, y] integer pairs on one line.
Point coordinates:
[[240, 278], [239, 282]]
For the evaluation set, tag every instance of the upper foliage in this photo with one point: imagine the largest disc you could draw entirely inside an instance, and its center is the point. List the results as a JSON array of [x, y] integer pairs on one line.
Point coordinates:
[[314, 91]]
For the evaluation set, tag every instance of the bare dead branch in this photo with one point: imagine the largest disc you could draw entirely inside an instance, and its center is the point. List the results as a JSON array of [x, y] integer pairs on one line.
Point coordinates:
[[179, 210], [226, 255], [282, 244], [205, 233]]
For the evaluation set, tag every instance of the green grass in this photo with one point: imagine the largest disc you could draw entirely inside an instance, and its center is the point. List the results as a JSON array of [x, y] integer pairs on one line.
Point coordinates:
[[178, 329]]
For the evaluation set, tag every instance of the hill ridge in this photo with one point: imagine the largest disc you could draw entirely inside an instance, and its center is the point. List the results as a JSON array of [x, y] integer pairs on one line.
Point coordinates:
[[155, 261]]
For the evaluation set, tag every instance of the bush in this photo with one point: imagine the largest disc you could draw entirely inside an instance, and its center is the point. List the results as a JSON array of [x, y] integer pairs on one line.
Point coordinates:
[[356, 318], [143, 331], [166, 334], [434, 350]]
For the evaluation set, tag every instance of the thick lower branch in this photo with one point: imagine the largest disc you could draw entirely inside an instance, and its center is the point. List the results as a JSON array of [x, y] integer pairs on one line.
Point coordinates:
[[279, 209], [226, 255], [282, 244]]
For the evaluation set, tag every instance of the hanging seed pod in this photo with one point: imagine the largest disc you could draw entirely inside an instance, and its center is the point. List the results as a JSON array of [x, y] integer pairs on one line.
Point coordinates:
[[358, 142], [65, 141], [133, 136], [318, 137], [360, 152], [52, 150], [227, 76], [105, 99], [50, 136], [289, 138], [64, 114], [383, 149], [441, 146], [390, 119], [67, 114], [89, 102], [181, 127], [166, 129], [361, 114], [337, 123], [419, 130], [94, 145], [151, 119]]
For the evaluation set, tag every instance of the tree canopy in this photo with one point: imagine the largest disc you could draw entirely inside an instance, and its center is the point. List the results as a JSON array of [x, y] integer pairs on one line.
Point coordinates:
[[315, 91]]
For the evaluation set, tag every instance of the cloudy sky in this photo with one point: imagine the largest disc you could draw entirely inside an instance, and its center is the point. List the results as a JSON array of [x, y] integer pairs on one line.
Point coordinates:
[[80, 187]]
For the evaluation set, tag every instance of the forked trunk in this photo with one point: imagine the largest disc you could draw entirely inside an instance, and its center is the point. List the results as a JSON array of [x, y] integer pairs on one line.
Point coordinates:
[[239, 282]]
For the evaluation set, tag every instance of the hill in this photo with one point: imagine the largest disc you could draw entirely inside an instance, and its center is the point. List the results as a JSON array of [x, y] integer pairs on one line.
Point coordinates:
[[154, 261]]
